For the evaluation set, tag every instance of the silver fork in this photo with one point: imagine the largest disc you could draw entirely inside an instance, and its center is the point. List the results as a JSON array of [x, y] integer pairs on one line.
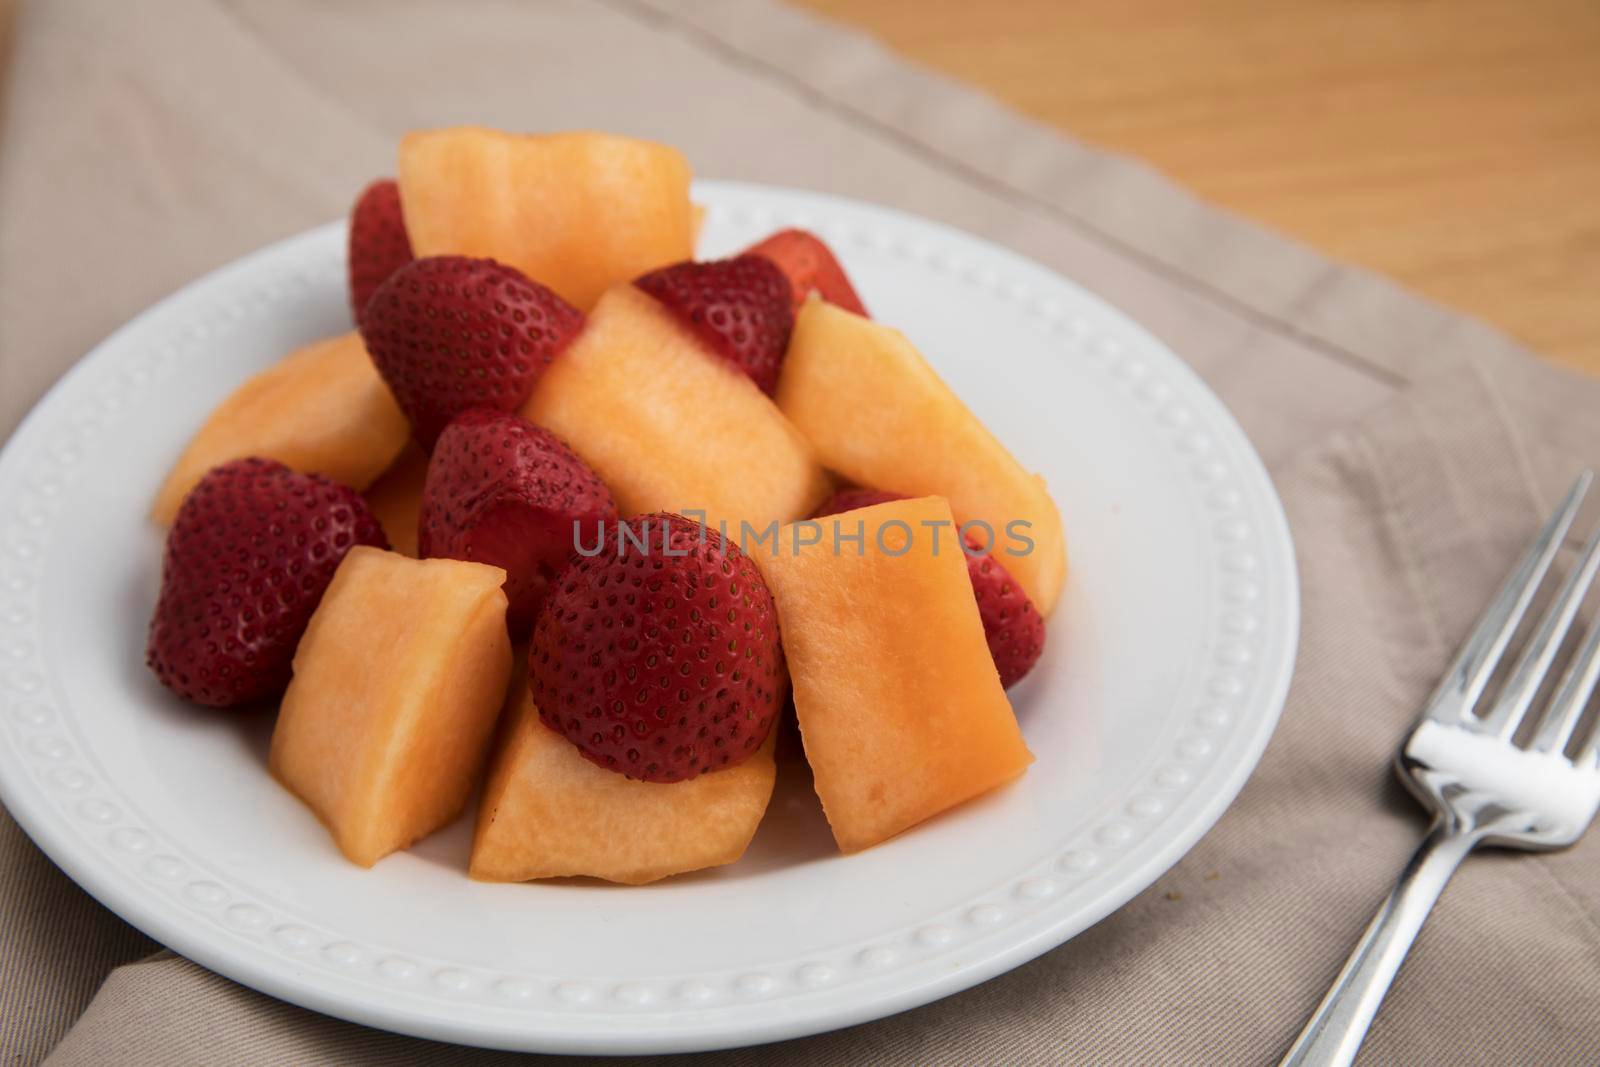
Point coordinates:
[[1481, 787]]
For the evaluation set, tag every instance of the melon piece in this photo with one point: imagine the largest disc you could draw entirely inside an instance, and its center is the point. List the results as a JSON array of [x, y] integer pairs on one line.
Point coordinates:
[[548, 812], [575, 211], [397, 685], [901, 712], [320, 410], [396, 498], [878, 414], [671, 426]]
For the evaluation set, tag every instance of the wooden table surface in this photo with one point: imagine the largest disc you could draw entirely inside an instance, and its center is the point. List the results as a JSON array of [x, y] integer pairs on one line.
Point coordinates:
[[1451, 144]]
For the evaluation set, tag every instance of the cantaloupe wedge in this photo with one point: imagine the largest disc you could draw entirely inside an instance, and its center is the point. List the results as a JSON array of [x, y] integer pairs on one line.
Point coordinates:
[[575, 211], [877, 413], [397, 684], [901, 712], [548, 812], [321, 410], [669, 426], [396, 498]]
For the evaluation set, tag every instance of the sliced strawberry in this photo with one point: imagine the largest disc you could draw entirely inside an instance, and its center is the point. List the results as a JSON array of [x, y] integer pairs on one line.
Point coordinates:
[[739, 307], [810, 266], [661, 662], [378, 244], [449, 333], [503, 491], [1012, 626], [254, 546]]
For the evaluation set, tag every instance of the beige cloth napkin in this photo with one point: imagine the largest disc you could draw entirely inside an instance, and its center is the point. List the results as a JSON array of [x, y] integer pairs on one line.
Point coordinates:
[[1415, 450]]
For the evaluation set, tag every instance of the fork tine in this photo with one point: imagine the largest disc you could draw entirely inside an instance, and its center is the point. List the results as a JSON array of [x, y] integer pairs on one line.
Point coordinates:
[[1589, 754], [1572, 695], [1534, 663], [1463, 683]]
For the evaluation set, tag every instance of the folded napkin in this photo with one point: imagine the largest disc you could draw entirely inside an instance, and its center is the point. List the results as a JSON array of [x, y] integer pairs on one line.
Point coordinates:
[[1415, 451]]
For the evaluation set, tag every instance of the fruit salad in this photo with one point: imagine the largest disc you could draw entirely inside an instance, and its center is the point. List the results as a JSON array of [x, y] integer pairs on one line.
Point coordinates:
[[574, 516]]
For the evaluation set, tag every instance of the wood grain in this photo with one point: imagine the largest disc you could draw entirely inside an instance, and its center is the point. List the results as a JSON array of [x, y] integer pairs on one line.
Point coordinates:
[[1452, 144]]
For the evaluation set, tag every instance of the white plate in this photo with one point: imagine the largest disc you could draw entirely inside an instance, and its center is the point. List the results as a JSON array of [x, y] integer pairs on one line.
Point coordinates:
[[1166, 667]]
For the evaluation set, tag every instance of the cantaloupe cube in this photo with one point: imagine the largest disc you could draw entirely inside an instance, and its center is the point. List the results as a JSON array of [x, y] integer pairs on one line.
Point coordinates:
[[901, 712], [397, 684], [877, 413], [321, 410], [669, 426], [575, 211], [548, 812], [396, 498]]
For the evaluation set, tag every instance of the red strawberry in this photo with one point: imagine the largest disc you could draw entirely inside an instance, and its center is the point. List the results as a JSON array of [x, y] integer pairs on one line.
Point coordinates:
[[810, 266], [740, 307], [450, 333], [379, 245], [254, 546], [501, 490], [851, 499], [661, 662], [1012, 626]]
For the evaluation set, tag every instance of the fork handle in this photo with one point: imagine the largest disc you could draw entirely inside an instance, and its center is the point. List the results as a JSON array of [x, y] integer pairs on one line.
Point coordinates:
[[1340, 1023]]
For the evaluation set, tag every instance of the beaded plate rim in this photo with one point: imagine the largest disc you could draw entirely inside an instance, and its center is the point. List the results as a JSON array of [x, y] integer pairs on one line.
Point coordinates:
[[52, 785]]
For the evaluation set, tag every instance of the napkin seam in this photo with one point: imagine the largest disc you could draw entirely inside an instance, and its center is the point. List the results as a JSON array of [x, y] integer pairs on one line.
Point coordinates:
[[928, 152], [1403, 533], [1328, 275], [1430, 505], [1521, 451]]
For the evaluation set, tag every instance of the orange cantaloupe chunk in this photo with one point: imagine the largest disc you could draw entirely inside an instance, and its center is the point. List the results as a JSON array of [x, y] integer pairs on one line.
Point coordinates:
[[320, 410], [901, 712], [396, 498], [547, 812], [397, 684], [878, 414], [577, 211], [670, 426], [697, 222]]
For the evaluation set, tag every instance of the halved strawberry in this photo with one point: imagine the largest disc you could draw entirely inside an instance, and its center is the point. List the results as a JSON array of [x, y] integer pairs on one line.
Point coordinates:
[[658, 656], [449, 333], [378, 243], [503, 491], [1012, 626], [254, 546], [810, 266], [739, 307]]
